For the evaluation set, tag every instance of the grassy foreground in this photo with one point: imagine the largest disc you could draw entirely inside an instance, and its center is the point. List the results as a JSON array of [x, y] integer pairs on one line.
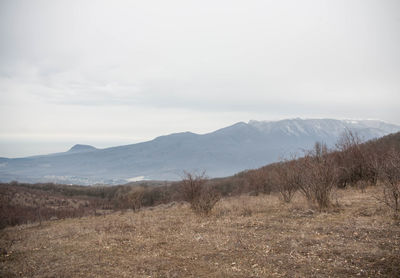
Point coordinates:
[[245, 236]]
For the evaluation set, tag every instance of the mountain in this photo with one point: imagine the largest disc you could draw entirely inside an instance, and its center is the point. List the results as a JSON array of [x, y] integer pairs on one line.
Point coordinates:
[[78, 148], [220, 153]]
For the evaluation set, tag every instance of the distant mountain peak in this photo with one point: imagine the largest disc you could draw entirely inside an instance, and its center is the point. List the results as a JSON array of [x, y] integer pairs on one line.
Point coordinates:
[[223, 152], [81, 148], [328, 127]]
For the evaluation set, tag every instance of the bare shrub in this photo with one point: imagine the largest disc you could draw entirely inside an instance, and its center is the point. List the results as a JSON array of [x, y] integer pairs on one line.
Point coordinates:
[[202, 197], [135, 198], [287, 179], [206, 201], [390, 177], [128, 197], [260, 181], [320, 176], [356, 161], [191, 186]]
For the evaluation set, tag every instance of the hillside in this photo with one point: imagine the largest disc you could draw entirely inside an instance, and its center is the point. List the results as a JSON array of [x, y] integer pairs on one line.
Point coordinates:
[[221, 153], [99, 231], [22, 202], [244, 237]]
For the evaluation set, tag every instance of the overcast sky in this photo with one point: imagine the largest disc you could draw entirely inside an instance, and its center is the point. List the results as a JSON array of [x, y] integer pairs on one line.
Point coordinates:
[[116, 72]]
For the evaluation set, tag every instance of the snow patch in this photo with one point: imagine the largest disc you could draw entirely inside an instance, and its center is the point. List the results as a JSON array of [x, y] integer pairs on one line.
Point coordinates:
[[351, 121]]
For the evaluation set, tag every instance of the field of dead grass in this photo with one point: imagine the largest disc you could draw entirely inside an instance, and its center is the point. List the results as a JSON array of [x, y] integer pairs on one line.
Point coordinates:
[[246, 236]]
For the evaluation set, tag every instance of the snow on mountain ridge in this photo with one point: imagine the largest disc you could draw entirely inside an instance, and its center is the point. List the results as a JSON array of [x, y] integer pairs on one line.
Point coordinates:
[[324, 130], [223, 152]]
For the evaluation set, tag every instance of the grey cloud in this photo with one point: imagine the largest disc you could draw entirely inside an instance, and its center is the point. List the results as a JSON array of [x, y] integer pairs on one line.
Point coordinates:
[[283, 58]]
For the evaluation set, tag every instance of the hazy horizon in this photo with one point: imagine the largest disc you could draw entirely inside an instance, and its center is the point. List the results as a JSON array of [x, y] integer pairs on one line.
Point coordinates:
[[112, 73], [37, 147]]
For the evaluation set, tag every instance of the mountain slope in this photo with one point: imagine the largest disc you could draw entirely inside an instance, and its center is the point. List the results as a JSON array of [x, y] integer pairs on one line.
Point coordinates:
[[221, 153], [81, 148]]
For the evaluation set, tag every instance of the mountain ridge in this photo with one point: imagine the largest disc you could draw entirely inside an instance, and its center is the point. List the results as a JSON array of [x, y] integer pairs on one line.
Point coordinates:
[[223, 152]]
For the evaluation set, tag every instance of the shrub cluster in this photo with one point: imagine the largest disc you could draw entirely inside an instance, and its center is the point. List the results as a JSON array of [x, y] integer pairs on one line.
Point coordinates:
[[389, 172], [321, 170], [201, 196]]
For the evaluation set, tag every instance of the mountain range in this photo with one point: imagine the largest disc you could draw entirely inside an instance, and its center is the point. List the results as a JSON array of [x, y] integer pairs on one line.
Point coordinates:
[[220, 153]]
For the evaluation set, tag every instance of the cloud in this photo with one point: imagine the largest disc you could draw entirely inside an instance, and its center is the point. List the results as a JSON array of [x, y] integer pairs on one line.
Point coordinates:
[[73, 66]]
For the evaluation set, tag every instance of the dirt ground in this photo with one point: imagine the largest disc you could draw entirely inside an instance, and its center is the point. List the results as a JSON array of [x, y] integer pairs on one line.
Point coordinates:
[[246, 236]]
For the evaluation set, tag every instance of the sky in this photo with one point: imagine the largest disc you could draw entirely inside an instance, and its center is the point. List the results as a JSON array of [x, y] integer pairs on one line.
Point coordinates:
[[108, 73]]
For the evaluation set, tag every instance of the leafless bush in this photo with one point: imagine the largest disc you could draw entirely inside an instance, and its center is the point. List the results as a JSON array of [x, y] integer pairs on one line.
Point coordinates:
[[287, 179], [129, 198], [260, 181], [206, 201], [356, 161], [201, 197], [390, 177], [320, 176], [135, 198], [192, 185]]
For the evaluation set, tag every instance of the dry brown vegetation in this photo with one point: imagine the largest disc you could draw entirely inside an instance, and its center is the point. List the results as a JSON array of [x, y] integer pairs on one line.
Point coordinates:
[[244, 236], [390, 176], [321, 171], [24, 205], [316, 176], [201, 196], [339, 218]]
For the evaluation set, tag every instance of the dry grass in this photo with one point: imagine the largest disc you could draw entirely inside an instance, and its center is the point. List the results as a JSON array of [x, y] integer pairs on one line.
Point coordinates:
[[244, 237], [32, 198]]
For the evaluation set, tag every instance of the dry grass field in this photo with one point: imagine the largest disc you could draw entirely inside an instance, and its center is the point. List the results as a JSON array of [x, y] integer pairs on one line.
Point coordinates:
[[245, 236]]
